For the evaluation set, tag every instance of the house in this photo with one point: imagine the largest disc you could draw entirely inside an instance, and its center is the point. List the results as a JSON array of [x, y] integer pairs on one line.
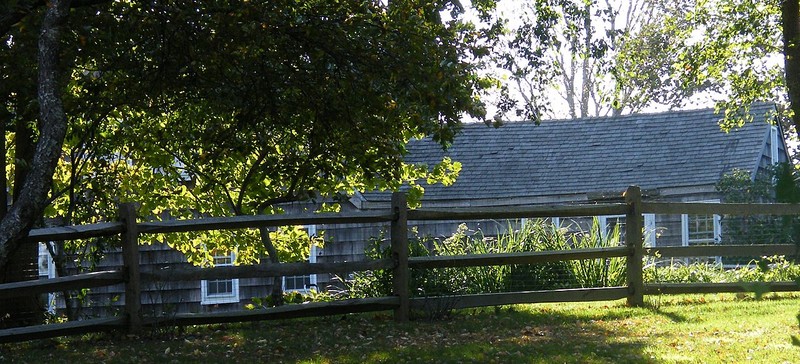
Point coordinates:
[[680, 154], [672, 156]]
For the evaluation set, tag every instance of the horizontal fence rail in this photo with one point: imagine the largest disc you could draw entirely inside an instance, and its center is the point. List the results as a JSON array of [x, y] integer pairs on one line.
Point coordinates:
[[78, 281], [257, 221], [723, 250], [75, 232], [687, 288], [512, 298], [399, 264], [62, 329], [264, 270]]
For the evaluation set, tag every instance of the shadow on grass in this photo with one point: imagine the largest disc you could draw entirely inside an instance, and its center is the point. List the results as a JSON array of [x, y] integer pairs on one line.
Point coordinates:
[[672, 316], [471, 336]]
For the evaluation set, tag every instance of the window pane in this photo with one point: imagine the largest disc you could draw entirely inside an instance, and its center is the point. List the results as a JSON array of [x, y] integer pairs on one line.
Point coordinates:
[[223, 260], [701, 229], [220, 287], [297, 283]]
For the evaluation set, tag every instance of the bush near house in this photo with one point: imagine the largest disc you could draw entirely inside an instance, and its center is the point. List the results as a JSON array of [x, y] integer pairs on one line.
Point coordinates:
[[532, 236], [542, 236]]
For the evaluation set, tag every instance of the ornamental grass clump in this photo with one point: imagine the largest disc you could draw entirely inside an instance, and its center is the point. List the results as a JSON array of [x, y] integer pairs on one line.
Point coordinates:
[[602, 272], [530, 236]]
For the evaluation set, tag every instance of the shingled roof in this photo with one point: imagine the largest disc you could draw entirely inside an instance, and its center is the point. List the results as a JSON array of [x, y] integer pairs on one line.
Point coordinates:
[[568, 157]]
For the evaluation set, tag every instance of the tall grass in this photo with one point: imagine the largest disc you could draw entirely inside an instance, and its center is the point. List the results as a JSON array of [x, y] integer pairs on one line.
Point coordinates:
[[542, 236], [536, 235], [606, 272]]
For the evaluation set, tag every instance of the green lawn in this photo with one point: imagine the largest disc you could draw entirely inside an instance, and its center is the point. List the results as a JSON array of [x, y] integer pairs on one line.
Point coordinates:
[[697, 328]]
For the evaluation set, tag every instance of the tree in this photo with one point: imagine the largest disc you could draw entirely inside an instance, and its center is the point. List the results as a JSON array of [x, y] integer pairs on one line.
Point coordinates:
[[581, 51], [32, 197], [790, 22], [735, 53], [232, 107]]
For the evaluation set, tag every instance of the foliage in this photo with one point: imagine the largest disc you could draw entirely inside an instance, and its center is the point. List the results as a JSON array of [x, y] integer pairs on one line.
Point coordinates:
[[378, 283], [778, 183], [728, 51], [538, 235], [598, 57], [739, 186], [289, 298], [229, 107], [765, 269], [609, 272]]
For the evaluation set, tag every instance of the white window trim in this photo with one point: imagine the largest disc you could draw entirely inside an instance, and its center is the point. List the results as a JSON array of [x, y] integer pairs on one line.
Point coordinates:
[[44, 253], [650, 230], [312, 258], [233, 297], [717, 229], [774, 145]]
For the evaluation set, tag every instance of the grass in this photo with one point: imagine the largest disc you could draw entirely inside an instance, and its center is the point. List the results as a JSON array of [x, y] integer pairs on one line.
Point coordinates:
[[720, 328]]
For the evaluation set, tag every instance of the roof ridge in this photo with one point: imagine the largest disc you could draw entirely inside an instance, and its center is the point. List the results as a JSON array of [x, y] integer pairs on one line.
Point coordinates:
[[668, 113]]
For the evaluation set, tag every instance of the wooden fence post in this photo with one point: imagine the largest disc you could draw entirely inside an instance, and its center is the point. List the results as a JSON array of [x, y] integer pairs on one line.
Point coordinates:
[[399, 236], [130, 261], [634, 238]]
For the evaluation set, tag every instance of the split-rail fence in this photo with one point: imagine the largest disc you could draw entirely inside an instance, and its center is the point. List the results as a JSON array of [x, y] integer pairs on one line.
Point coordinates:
[[400, 263]]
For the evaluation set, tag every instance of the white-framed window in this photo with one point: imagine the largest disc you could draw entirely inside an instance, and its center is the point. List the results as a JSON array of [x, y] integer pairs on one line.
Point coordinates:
[[609, 222], [304, 283], [701, 230], [774, 143], [47, 270], [220, 290], [650, 231]]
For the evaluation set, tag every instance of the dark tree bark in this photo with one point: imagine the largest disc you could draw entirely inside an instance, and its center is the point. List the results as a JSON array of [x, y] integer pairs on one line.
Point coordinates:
[[790, 18], [32, 197], [277, 282]]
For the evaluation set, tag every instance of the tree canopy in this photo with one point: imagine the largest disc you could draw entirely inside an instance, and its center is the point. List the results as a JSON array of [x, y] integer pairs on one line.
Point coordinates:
[[569, 58], [230, 107], [236, 106]]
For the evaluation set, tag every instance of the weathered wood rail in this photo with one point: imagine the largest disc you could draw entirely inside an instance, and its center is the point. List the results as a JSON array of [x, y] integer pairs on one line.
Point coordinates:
[[400, 263]]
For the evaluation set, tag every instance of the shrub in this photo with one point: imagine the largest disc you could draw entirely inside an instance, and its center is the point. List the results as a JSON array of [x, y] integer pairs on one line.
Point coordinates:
[[533, 236], [766, 269]]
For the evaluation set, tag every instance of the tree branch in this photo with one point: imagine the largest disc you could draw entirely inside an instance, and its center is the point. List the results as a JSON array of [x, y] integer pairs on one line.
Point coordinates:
[[53, 126]]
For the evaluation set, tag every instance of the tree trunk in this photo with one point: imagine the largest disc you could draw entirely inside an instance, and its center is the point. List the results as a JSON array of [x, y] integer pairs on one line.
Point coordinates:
[[277, 282], [586, 81], [790, 18], [23, 260], [32, 198]]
